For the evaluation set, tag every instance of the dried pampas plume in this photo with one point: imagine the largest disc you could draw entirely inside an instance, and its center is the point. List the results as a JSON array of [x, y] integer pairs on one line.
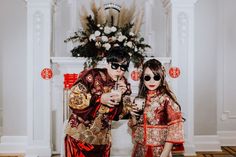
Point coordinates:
[[122, 15], [94, 9], [126, 14], [120, 19], [83, 18], [138, 22], [130, 13], [101, 18]]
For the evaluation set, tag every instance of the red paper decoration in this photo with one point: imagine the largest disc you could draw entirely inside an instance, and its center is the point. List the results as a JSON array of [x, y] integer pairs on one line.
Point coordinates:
[[46, 73], [135, 75], [69, 80], [174, 72]]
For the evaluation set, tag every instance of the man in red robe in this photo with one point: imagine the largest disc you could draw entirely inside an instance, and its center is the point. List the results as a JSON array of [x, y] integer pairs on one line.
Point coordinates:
[[94, 104]]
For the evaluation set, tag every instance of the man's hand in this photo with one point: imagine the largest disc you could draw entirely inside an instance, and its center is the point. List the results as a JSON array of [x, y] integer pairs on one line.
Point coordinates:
[[109, 99], [122, 86]]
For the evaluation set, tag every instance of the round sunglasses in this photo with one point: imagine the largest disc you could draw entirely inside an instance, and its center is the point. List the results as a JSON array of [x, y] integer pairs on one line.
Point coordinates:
[[156, 77], [123, 67]]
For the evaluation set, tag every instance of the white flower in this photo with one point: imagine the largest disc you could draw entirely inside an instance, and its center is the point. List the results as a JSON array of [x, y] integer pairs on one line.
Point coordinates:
[[113, 29], [104, 38], [107, 46], [98, 25], [135, 49], [115, 45], [131, 34], [97, 33], [130, 44], [107, 30], [119, 34], [101, 28], [92, 37], [121, 38]]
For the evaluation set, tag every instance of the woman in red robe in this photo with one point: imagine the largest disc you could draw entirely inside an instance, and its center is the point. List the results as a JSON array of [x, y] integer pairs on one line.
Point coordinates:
[[94, 105], [161, 123]]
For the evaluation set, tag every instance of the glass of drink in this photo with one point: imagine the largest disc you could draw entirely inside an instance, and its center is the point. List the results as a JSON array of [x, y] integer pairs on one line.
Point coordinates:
[[117, 93], [139, 104]]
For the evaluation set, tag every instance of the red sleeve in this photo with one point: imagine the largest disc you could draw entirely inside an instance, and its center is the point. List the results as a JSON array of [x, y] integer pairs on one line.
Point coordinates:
[[175, 123]]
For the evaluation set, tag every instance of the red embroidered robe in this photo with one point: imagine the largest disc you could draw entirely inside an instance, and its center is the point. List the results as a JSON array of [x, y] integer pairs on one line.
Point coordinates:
[[88, 133], [161, 122]]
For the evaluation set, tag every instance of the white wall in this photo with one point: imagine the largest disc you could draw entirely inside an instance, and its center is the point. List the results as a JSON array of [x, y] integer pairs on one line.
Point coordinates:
[[226, 66], [215, 86], [159, 28], [13, 66], [205, 68], [1, 87]]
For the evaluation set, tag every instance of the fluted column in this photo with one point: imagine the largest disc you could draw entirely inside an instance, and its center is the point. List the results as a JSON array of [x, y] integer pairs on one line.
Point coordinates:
[[180, 41], [39, 32]]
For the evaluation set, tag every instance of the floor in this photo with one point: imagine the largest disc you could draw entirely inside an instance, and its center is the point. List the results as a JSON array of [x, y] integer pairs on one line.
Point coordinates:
[[227, 151]]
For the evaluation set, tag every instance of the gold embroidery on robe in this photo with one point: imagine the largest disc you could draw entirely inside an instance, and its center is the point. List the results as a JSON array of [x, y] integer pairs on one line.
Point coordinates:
[[79, 98]]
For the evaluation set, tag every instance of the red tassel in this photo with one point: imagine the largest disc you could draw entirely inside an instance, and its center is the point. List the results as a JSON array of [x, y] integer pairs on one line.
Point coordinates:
[[149, 152]]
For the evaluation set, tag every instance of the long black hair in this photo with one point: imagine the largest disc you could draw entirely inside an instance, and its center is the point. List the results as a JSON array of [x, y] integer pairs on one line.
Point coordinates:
[[157, 68]]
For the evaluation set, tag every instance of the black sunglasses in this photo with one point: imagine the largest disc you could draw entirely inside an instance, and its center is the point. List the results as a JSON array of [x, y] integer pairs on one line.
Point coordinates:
[[123, 67], [156, 77]]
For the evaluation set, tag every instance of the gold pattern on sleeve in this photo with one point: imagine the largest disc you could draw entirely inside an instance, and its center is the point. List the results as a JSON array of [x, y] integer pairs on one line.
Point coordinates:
[[127, 105], [79, 98]]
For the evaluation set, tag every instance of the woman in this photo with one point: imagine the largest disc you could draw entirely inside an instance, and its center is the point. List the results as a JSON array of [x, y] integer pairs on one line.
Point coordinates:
[[161, 124]]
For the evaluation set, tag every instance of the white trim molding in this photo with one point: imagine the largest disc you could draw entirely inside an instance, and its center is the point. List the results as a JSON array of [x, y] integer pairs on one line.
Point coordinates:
[[227, 138], [13, 144], [207, 143], [214, 142]]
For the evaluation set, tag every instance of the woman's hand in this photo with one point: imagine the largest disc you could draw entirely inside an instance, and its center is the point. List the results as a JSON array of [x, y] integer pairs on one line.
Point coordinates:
[[167, 150], [134, 110]]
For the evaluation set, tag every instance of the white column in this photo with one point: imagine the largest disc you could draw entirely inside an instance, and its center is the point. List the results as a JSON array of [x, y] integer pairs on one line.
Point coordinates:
[[39, 32], [149, 34], [180, 16]]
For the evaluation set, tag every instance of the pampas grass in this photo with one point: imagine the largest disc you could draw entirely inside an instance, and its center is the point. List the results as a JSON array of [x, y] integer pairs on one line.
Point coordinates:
[[138, 22], [101, 18], [83, 18]]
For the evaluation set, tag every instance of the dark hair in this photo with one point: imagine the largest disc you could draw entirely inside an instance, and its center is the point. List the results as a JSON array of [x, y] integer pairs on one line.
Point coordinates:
[[157, 68], [118, 54]]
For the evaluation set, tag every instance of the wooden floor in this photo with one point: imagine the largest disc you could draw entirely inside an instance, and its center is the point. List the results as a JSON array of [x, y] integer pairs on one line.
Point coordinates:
[[227, 151]]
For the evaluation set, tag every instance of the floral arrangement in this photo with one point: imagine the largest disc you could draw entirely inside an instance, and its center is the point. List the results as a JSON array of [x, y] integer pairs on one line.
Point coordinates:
[[107, 27]]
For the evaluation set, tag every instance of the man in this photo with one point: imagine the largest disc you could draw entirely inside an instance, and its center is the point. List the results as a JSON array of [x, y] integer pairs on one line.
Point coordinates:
[[95, 100]]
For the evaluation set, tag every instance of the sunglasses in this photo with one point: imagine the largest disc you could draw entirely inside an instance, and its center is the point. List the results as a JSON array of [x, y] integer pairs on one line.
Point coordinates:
[[156, 77], [123, 67]]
